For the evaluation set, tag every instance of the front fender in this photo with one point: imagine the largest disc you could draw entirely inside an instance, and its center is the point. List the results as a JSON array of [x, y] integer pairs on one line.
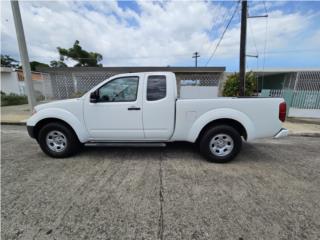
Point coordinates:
[[221, 113], [63, 115]]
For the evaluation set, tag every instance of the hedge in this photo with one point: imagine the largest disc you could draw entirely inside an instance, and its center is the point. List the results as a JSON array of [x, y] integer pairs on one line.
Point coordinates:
[[13, 99]]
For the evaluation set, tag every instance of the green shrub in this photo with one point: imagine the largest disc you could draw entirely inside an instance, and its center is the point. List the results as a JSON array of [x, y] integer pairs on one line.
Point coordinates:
[[13, 99], [231, 86]]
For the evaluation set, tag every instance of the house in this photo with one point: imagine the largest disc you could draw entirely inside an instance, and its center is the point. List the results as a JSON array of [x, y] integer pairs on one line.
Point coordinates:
[[299, 87], [295, 79], [12, 81]]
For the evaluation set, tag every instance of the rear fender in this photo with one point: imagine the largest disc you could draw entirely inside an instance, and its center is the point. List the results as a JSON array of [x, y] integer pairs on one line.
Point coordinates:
[[221, 113]]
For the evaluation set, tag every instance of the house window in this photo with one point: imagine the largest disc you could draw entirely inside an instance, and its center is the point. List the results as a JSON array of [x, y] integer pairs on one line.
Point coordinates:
[[156, 88]]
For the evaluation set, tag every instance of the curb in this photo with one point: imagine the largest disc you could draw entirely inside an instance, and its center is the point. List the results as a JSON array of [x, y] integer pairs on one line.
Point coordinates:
[[296, 120], [14, 123], [317, 134], [302, 134]]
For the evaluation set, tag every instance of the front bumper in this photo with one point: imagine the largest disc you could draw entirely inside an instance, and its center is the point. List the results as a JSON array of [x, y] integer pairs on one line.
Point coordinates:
[[282, 133], [30, 130]]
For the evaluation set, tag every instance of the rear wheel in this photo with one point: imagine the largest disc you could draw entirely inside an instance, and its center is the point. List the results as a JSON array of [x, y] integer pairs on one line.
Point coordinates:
[[220, 144], [58, 140]]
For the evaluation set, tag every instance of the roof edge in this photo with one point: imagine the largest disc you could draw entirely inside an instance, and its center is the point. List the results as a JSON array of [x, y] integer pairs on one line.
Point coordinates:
[[133, 69]]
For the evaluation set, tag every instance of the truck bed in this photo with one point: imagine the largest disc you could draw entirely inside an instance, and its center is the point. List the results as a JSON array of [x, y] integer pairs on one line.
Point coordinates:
[[261, 115]]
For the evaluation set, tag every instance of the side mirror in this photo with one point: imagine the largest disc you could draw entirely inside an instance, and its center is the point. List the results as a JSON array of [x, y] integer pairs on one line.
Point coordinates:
[[94, 97]]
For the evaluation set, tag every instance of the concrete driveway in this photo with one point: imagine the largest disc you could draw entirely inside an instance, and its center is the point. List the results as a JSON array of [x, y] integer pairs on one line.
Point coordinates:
[[271, 191]]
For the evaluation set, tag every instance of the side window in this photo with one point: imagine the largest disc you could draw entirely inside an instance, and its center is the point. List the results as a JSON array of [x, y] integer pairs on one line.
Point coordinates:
[[119, 90], [156, 88]]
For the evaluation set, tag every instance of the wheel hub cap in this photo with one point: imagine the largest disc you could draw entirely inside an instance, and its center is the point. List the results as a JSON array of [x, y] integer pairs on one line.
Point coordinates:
[[221, 145], [56, 141]]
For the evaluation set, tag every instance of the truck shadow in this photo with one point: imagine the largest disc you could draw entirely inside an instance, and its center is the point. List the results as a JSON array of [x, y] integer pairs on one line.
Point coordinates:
[[183, 151], [171, 150]]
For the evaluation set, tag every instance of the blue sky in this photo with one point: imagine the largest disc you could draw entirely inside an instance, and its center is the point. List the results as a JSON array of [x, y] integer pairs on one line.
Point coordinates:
[[162, 33]]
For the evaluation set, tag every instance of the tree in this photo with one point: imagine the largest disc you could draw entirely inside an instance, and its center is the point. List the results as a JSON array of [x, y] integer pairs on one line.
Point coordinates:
[[231, 86], [84, 58], [57, 64], [34, 65], [7, 61]]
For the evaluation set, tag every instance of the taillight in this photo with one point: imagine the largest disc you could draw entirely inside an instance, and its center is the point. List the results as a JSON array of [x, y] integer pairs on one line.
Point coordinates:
[[282, 111]]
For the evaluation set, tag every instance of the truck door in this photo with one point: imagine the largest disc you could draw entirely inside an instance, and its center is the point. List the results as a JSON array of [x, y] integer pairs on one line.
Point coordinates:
[[117, 115], [158, 106]]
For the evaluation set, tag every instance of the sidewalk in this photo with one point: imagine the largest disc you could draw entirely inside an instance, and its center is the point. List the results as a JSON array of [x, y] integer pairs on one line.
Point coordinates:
[[304, 120], [17, 114], [303, 129], [298, 127]]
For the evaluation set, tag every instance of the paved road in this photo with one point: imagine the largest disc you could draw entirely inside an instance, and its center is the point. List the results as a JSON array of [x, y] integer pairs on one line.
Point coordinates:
[[271, 191]]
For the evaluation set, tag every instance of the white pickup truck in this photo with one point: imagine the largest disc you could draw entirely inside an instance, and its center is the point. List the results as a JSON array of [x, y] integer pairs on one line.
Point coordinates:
[[143, 109]]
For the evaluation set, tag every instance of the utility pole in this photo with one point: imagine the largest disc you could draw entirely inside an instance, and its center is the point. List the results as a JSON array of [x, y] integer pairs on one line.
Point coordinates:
[[243, 39], [23, 53], [195, 56]]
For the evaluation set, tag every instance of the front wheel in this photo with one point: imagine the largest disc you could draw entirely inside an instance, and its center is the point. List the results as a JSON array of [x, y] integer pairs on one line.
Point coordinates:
[[220, 144], [58, 140]]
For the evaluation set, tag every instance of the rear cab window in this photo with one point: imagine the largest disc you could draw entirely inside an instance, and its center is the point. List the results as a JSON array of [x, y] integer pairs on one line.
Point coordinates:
[[156, 87]]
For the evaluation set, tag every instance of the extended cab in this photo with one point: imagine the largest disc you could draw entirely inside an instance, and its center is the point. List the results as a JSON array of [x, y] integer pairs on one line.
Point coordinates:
[[144, 109]]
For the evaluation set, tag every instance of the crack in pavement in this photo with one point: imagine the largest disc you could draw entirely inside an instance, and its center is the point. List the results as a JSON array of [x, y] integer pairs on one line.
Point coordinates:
[[160, 233]]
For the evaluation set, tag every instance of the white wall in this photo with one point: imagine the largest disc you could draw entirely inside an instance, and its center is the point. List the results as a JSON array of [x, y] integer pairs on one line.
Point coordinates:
[[200, 92], [306, 113], [9, 82]]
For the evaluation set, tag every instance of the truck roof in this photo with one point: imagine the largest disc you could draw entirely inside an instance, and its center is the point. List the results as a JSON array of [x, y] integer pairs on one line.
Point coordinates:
[[148, 73]]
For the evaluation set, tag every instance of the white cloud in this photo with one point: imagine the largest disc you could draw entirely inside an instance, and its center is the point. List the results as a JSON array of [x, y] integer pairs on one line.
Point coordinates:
[[256, 7], [167, 32]]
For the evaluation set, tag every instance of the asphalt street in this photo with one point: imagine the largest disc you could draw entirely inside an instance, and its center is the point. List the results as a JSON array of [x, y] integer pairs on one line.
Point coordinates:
[[270, 191]]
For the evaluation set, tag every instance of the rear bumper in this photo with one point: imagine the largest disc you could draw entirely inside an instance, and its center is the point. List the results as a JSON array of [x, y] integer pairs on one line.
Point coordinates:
[[282, 133], [30, 130]]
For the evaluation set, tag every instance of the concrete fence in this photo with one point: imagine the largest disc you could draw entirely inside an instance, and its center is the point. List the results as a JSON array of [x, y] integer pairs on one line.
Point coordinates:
[[72, 82], [300, 103]]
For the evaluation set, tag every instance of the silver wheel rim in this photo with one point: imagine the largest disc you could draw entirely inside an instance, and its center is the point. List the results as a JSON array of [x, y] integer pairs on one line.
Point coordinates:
[[56, 141], [221, 145]]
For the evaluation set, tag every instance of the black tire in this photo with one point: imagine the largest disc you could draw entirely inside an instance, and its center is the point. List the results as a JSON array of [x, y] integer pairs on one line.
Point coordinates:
[[221, 130], [72, 143]]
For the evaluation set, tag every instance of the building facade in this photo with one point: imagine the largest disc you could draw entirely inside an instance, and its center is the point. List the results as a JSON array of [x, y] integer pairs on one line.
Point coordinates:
[[12, 81], [299, 87]]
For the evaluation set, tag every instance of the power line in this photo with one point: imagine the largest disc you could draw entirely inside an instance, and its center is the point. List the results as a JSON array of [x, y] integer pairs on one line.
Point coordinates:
[[315, 51], [292, 51], [225, 30], [288, 51], [265, 7], [212, 27], [254, 39]]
